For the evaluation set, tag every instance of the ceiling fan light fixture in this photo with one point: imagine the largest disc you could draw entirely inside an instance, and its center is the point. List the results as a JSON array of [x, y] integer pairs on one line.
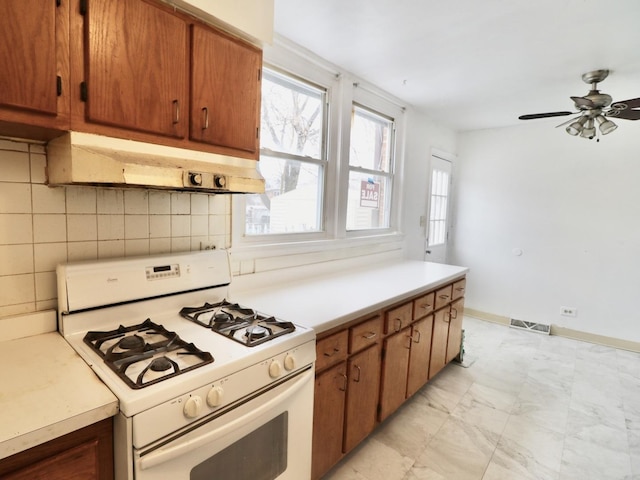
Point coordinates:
[[576, 127], [589, 130], [606, 126]]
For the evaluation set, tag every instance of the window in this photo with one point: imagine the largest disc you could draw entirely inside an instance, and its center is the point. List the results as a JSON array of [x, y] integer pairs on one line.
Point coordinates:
[[292, 158], [370, 170], [438, 206]]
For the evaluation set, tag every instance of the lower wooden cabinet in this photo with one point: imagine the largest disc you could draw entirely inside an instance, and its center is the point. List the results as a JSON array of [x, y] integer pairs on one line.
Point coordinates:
[[455, 329], [86, 454], [420, 354], [439, 339], [395, 371]]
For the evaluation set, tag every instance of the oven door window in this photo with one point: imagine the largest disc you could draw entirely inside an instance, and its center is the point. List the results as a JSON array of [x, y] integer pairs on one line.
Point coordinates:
[[260, 455]]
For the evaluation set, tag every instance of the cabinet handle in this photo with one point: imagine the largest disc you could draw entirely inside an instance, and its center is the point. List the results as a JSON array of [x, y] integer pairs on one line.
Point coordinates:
[[408, 347], [426, 305], [370, 335], [444, 297], [398, 324], [344, 384], [357, 380], [451, 314], [335, 350], [460, 289], [419, 337], [176, 111], [205, 122], [447, 317]]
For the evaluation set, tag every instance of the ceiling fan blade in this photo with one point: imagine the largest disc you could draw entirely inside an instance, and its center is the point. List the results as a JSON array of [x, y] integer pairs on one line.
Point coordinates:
[[533, 116], [633, 103], [624, 114], [582, 102]]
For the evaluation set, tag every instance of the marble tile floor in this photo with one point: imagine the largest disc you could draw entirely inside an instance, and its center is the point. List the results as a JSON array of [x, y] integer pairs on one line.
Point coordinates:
[[523, 406]]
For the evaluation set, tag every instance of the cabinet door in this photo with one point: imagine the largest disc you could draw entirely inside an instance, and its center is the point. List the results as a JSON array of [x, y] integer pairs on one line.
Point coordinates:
[[455, 329], [28, 55], [328, 419], [439, 341], [420, 354], [225, 90], [362, 396], [136, 67], [394, 372]]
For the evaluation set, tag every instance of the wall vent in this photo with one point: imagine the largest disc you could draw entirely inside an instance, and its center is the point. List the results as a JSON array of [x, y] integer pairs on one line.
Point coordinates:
[[530, 326]]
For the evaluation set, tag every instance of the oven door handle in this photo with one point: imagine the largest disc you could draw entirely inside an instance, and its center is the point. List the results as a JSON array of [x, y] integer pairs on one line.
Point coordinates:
[[164, 454]]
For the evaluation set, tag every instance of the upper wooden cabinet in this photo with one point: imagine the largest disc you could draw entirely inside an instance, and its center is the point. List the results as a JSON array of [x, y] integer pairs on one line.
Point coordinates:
[[225, 86], [135, 67], [34, 96]]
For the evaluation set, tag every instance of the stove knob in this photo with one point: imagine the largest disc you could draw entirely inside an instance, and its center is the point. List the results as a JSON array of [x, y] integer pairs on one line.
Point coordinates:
[[192, 407], [214, 397], [275, 369], [289, 362]]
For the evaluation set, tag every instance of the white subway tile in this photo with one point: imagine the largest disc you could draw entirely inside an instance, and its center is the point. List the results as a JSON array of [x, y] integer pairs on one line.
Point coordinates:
[[159, 226], [38, 148], [16, 259], [16, 228], [182, 244], [136, 226], [159, 203], [110, 201], [199, 225], [17, 289], [14, 145], [78, 251], [18, 309], [220, 204], [136, 202], [110, 227], [159, 245], [15, 197], [180, 203], [38, 168], [218, 224], [47, 199], [136, 247], [14, 166], [82, 227], [46, 287], [199, 204], [199, 242], [48, 255], [81, 200], [110, 248], [49, 228], [180, 225]]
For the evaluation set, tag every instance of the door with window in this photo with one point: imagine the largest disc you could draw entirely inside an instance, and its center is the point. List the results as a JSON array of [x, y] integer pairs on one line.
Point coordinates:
[[438, 210]]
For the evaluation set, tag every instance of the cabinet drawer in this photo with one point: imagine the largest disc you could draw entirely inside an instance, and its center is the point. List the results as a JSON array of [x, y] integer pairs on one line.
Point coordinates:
[[398, 318], [332, 349], [423, 306], [365, 334], [443, 296], [458, 289]]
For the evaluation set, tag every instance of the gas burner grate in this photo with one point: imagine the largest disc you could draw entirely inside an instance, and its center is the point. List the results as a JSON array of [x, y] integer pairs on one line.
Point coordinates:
[[240, 324], [142, 362]]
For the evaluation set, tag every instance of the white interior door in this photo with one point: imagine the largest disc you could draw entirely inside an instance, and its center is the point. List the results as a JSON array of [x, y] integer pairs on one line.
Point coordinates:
[[438, 220]]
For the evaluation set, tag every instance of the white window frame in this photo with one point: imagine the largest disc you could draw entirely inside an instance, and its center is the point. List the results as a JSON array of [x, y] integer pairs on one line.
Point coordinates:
[[342, 91]]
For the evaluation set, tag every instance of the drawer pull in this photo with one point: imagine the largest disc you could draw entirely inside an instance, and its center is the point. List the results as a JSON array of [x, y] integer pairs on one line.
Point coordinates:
[[331, 354], [452, 311], [205, 123], [344, 384], [370, 335], [447, 317], [398, 324], [176, 111], [357, 380], [460, 289], [408, 347], [417, 340], [426, 306], [443, 297]]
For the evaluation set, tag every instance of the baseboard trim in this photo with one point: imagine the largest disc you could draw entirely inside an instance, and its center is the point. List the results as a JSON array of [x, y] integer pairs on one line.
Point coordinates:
[[563, 332]]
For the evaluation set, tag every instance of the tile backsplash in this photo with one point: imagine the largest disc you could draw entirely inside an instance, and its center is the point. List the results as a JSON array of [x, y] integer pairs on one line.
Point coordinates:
[[42, 226]]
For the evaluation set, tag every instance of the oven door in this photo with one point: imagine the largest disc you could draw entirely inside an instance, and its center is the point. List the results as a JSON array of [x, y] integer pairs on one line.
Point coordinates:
[[266, 438]]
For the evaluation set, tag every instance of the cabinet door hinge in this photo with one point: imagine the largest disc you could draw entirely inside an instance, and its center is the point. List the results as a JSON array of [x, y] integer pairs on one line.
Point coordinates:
[[83, 7], [83, 91], [59, 85]]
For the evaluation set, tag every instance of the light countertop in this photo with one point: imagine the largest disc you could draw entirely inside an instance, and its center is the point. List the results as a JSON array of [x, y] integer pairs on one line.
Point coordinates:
[[46, 390], [325, 301]]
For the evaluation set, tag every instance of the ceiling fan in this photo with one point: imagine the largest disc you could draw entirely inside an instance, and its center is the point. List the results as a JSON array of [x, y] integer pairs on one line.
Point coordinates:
[[592, 108]]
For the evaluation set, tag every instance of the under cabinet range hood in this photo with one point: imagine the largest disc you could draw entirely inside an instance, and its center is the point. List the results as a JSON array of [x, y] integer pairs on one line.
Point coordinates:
[[87, 159]]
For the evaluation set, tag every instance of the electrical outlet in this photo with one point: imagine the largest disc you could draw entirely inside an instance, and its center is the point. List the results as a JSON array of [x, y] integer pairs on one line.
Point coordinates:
[[569, 311], [207, 246]]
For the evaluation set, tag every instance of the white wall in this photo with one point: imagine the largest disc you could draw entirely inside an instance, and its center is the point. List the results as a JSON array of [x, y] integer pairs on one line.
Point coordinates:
[[572, 206], [423, 135]]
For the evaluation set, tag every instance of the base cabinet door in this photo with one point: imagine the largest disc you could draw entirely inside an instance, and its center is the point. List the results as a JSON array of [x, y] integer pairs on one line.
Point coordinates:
[[419, 354], [455, 329], [394, 372], [439, 341], [362, 396], [328, 421]]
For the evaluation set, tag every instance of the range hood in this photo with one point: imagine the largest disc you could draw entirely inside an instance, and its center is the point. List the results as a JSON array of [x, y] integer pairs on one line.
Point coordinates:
[[78, 158]]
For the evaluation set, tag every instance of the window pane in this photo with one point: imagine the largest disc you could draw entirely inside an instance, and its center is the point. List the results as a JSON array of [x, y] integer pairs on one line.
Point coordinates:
[[370, 141], [292, 200], [438, 208], [292, 116], [368, 202]]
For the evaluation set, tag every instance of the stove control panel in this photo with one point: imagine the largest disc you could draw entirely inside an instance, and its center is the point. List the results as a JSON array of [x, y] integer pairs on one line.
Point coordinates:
[[192, 407], [215, 396], [162, 271]]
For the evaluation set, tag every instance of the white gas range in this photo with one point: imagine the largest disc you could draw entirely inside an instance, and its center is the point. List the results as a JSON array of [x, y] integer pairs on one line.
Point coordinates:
[[203, 384]]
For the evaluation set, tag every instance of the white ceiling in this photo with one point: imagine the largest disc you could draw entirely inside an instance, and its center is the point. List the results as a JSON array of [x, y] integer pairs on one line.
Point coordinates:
[[475, 64]]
